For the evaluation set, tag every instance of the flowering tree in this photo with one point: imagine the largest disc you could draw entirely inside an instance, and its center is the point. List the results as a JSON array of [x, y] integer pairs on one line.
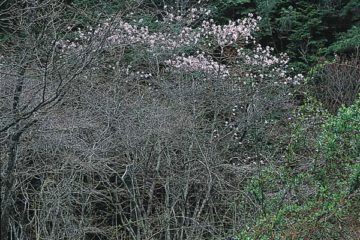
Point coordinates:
[[139, 123]]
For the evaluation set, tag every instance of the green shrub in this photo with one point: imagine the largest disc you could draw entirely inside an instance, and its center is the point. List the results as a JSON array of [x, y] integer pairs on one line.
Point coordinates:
[[340, 139], [321, 201]]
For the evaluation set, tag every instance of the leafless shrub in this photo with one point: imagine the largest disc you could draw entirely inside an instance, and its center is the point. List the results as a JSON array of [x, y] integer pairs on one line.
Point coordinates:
[[96, 153], [338, 83], [35, 75]]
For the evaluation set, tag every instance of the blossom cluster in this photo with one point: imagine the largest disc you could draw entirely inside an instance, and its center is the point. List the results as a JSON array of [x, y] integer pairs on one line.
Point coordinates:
[[126, 34], [122, 32], [263, 57], [169, 43], [199, 63], [229, 34]]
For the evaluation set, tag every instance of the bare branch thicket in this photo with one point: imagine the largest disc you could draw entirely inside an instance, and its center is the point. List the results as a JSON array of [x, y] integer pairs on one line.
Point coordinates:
[[114, 156], [338, 83], [123, 161], [35, 75]]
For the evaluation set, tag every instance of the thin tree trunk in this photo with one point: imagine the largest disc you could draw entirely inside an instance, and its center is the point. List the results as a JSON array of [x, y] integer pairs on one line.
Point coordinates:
[[8, 185]]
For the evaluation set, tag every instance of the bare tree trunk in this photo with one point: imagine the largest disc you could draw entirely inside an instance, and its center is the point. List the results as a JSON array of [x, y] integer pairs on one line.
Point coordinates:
[[8, 185], [12, 144]]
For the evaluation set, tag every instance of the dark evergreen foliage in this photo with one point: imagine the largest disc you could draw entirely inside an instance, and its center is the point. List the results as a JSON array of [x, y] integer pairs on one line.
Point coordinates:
[[304, 29]]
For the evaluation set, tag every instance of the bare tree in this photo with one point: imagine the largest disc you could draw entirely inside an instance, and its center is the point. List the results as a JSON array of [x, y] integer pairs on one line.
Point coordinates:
[[35, 74]]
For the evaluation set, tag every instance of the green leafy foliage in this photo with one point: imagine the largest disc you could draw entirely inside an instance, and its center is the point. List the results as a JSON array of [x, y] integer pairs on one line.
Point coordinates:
[[340, 139], [346, 42], [321, 201]]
